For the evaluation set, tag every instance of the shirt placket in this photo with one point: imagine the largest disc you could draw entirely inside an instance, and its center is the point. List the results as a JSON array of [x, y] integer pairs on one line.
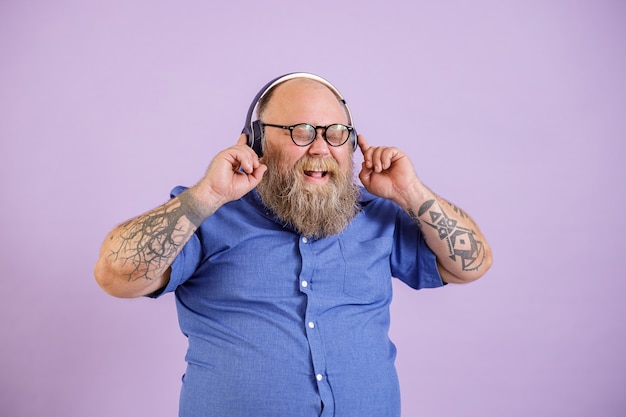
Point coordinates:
[[311, 323]]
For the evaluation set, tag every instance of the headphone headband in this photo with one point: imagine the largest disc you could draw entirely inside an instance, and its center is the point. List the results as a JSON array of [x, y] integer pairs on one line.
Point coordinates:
[[254, 130]]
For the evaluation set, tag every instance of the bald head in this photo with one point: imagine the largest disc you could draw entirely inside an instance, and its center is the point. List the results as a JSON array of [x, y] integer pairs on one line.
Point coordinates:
[[299, 94]]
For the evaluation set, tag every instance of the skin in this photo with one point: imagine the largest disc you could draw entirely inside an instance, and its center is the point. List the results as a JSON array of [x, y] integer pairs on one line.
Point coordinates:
[[135, 257], [321, 108], [462, 252]]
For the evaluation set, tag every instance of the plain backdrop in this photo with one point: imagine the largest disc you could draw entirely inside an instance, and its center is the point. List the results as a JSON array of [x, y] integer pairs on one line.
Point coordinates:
[[513, 110]]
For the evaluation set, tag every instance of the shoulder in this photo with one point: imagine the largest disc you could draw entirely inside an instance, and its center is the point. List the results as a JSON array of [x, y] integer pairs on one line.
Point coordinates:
[[371, 202]]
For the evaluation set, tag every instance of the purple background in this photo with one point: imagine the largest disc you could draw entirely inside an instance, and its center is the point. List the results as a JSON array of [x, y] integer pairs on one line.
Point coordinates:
[[514, 110]]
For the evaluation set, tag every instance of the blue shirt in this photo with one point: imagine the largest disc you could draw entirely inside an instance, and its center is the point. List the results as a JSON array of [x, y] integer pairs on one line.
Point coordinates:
[[280, 324]]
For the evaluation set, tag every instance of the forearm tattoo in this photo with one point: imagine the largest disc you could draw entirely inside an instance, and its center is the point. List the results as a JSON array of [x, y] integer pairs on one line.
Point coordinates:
[[462, 242], [150, 242]]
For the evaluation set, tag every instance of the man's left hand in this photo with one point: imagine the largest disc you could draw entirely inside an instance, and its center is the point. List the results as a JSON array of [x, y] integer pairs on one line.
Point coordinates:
[[387, 172]]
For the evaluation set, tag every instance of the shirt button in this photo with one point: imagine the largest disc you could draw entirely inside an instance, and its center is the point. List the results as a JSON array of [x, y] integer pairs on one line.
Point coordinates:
[[311, 325], [305, 284], [304, 239], [319, 377]]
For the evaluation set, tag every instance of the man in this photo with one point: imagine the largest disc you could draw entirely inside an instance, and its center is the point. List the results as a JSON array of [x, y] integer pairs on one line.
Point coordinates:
[[282, 265]]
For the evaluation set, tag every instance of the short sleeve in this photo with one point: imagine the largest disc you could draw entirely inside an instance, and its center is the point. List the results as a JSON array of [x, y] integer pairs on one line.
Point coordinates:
[[186, 262], [413, 262]]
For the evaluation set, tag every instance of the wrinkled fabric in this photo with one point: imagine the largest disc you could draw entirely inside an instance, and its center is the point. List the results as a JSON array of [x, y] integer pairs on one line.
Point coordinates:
[[279, 324]]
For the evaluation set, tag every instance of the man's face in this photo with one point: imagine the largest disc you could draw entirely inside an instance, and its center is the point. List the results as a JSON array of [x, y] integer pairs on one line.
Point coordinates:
[[309, 187], [305, 101]]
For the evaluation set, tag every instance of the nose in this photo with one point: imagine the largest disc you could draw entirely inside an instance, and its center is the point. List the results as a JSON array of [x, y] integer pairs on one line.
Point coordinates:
[[319, 145]]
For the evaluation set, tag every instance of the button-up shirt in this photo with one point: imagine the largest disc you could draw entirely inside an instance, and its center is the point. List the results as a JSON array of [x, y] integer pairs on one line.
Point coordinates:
[[281, 324]]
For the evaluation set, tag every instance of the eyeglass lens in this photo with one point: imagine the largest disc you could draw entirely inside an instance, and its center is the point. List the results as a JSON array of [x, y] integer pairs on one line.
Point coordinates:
[[305, 133]]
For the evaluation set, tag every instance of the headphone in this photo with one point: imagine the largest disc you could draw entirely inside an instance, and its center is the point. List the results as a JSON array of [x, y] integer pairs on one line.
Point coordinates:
[[254, 129]]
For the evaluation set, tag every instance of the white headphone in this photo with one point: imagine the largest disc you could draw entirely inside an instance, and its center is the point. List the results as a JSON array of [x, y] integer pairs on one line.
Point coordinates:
[[254, 129]]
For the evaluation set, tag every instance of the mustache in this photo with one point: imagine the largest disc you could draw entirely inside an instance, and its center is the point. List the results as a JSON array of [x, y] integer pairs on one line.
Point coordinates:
[[306, 163]]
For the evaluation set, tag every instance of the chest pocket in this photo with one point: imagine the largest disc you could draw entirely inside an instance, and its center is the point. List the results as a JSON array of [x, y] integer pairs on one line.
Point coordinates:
[[368, 272]]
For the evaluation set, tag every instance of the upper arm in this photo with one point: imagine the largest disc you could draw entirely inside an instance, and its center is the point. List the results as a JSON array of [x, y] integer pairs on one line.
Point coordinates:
[[160, 284]]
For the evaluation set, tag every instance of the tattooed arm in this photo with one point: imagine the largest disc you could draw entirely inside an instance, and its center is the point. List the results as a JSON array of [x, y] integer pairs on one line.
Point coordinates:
[[462, 252], [135, 257]]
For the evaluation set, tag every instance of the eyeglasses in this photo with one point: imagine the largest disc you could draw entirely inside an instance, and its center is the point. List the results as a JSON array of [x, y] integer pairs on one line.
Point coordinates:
[[303, 134]]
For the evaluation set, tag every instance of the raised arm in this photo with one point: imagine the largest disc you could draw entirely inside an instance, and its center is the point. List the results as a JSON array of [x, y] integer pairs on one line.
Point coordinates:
[[136, 256], [462, 252]]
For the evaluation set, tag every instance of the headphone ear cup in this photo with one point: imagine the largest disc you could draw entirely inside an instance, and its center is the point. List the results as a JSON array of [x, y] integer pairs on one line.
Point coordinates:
[[354, 139], [255, 139]]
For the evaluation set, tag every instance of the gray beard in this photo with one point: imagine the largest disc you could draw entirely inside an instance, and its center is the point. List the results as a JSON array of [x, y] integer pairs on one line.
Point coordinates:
[[313, 210]]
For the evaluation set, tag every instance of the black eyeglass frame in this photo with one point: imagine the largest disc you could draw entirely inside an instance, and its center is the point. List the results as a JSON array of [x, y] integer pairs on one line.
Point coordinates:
[[292, 127]]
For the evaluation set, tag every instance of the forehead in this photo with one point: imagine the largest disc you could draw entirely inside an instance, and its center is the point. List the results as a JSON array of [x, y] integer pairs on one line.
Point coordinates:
[[304, 98]]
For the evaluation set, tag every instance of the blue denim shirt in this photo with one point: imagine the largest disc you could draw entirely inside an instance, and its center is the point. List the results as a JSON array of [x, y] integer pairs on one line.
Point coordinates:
[[279, 324]]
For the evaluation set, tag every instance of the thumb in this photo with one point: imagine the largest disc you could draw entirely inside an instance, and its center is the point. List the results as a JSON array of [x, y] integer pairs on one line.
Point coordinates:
[[365, 174]]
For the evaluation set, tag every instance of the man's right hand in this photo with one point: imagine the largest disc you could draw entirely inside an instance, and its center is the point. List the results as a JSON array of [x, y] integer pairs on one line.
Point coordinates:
[[231, 174]]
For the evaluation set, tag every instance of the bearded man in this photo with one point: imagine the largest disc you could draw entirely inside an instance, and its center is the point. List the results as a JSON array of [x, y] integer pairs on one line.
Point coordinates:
[[282, 264]]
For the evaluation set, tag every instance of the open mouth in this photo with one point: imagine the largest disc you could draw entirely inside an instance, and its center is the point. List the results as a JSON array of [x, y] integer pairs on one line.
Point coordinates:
[[316, 174]]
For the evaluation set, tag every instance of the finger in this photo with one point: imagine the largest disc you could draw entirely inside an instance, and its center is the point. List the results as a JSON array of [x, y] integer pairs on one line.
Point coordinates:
[[257, 173], [239, 158], [365, 174], [363, 145], [248, 159], [387, 157], [383, 157], [366, 150], [376, 155], [243, 139]]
